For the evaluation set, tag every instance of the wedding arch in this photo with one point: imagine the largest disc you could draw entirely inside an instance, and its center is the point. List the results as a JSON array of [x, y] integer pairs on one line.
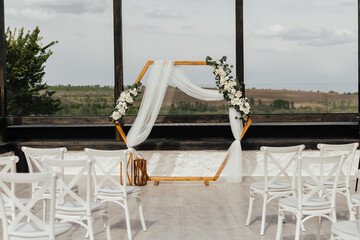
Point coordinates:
[[160, 75]]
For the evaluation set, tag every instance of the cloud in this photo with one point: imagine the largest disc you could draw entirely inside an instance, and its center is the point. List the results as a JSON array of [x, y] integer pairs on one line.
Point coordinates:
[[320, 36], [161, 12], [68, 6], [28, 13]]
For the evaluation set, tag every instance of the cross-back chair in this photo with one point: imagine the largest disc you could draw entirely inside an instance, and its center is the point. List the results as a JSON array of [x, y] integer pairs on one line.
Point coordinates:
[[33, 158], [8, 165], [108, 187], [343, 187], [347, 230], [25, 224], [310, 203], [70, 206], [279, 185]]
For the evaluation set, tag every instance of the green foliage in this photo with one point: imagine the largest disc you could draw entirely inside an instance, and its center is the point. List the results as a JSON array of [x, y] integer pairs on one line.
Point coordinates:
[[25, 58], [281, 104]]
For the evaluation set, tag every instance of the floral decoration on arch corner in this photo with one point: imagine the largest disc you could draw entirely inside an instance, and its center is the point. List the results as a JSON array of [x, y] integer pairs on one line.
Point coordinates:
[[230, 87], [127, 98]]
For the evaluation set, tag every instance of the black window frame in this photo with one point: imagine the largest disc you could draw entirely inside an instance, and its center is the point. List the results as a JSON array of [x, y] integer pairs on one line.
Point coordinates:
[[274, 119]]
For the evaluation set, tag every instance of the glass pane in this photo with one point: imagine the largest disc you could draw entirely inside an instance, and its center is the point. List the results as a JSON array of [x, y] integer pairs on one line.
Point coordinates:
[[179, 30], [301, 56], [80, 70]]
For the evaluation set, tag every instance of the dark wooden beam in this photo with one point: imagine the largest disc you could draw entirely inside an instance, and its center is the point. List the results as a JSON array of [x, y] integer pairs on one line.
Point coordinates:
[[2, 61], [358, 73], [239, 25], [2, 72], [118, 52], [118, 48]]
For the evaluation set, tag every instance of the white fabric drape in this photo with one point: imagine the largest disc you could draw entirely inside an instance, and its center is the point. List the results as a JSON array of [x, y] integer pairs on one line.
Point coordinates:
[[184, 84], [151, 103], [232, 173]]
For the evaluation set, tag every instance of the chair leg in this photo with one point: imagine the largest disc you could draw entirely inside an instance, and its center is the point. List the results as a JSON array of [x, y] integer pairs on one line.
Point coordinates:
[[263, 217], [348, 199], [280, 223], [107, 226], [251, 203], [141, 213], [333, 215], [298, 226], [127, 218], [44, 209], [90, 228]]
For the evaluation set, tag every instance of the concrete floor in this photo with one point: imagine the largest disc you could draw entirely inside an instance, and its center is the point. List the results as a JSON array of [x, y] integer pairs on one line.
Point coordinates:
[[189, 211]]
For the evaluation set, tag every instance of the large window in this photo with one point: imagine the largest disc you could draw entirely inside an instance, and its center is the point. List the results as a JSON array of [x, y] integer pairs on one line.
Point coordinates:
[[80, 69], [301, 56], [179, 30]]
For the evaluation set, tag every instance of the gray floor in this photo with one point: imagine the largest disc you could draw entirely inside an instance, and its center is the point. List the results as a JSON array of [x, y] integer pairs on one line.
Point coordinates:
[[188, 210]]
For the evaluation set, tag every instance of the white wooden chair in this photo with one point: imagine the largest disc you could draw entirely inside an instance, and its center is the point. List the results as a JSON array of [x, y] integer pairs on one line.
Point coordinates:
[[8, 165], [25, 224], [343, 186], [33, 158], [281, 158], [70, 206], [108, 188], [347, 230], [310, 203]]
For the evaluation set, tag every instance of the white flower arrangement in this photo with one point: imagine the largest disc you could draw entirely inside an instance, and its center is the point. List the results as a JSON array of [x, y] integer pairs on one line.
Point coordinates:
[[230, 87], [126, 99]]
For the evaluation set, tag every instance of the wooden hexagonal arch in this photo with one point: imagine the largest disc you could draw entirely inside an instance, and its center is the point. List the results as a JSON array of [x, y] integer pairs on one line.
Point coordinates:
[[157, 179]]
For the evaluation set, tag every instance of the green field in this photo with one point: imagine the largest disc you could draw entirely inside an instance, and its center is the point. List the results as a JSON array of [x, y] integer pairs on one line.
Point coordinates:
[[99, 100]]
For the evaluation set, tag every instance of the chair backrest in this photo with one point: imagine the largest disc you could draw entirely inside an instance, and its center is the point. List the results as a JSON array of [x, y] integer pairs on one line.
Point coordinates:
[[8, 165], [107, 168], [80, 168], [348, 150], [310, 167], [282, 158], [25, 213], [34, 155]]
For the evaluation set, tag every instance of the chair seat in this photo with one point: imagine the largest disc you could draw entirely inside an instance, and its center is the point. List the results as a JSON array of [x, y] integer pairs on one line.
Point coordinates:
[[74, 188], [115, 190], [311, 204], [329, 183], [25, 229], [76, 208], [349, 228], [274, 187]]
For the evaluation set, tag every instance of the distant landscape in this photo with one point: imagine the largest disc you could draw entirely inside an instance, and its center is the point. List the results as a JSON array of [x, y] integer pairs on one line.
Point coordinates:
[[99, 100]]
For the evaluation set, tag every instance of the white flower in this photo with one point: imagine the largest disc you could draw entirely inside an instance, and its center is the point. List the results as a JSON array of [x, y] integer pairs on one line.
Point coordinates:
[[238, 94], [134, 92], [122, 111], [222, 81], [227, 87], [233, 91], [121, 105], [122, 97], [116, 115], [129, 99]]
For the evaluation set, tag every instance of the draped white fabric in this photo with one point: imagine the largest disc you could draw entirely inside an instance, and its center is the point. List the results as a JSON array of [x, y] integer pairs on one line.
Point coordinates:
[[232, 173], [151, 103], [184, 84], [160, 75]]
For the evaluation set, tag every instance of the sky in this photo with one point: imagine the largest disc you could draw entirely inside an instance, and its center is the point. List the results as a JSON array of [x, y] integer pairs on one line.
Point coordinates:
[[289, 44]]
